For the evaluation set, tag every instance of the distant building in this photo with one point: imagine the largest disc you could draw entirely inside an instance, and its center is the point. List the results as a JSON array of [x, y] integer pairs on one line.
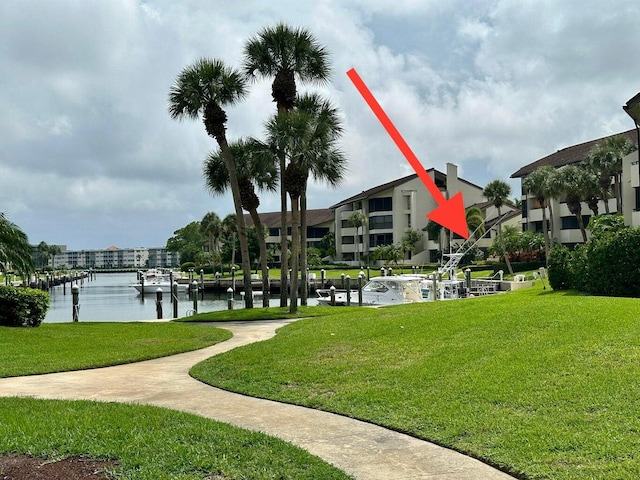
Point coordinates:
[[114, 257]]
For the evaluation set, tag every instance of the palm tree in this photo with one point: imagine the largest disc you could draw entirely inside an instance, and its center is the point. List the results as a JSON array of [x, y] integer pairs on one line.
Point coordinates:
[[284, 54], [537, 184], [44, 253], [15, 251], [54, 251], [573, 180], [358, 220], [606, 160], [211, 228], [496, 192], [230, 231], [434, 232], [475, 222], [253, 169], [307, 137], [408, 242], [203, 89]]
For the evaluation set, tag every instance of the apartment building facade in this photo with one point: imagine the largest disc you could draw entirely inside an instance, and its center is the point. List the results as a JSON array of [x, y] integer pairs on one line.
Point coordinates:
[[114, 257], [394, 208], [565, 224]]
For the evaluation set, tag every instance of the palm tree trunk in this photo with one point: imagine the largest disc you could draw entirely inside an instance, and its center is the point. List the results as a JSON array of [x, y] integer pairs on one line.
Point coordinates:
[[304, 281], [233, 249], [606, 201], [295, 250], [553, 228], [504, 253], [618, 195], [241, 227], [283, 234], [263, 256], [581, 225], [545, 230]]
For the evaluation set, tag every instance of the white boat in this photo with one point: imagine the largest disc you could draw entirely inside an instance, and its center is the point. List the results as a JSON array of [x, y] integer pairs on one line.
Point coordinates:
[[378, 291], [155, 279]]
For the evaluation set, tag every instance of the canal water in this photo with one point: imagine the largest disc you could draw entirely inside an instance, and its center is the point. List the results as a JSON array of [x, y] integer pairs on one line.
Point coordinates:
[[111, 298]]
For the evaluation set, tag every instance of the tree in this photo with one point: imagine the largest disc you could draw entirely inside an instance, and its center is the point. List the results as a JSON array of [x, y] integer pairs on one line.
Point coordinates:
[[496, 192], [230, 232], [574, 180], [284, 54], [408, 242], [203, 89], [328, 244], [537, 184], [15, 251], [211, 228], [358, 220], [475, 222], [44, 254], [187, 241], [254, 169], [605, 159], [434, 232], [307, 136]]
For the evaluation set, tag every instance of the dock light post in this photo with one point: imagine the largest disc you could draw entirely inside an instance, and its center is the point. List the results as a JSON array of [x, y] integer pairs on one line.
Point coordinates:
[[360, 280], [342, 277], [242, 294], [194, 287], [230, 298], [174, 298], [383, 272], [218, 279], [467, 276], [323, 276], [633, 110], [332, 291], [348, 279], [159, 303], [201, 284], [368, 273], [75, 292]]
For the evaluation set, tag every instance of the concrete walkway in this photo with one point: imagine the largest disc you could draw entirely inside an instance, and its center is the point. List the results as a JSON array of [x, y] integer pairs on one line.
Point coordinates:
[[366, 451]]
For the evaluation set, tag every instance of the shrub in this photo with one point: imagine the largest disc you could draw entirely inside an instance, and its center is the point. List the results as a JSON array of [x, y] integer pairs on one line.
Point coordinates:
[[559, 267], [22, 307], [614, 264]]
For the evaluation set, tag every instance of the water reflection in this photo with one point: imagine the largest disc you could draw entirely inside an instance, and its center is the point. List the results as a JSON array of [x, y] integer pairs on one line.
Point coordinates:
[[110, 297]]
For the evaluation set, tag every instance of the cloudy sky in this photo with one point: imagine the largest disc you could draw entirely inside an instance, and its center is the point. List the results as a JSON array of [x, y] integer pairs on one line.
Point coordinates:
[[89, 156]]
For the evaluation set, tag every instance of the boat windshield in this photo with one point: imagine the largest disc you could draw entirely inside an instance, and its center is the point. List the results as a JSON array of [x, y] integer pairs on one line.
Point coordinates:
[[375, 286]]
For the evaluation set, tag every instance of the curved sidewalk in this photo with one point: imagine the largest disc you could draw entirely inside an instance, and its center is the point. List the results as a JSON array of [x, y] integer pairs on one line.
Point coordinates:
[[366, 451]]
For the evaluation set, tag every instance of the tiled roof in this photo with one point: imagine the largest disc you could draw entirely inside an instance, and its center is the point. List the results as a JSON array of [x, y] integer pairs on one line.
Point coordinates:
[[569, 155], [272, 219]]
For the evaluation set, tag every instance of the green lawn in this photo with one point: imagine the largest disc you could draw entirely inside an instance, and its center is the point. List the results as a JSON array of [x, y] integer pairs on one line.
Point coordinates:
[[151, 443], [257, 313], [542, 384], [56, 347]]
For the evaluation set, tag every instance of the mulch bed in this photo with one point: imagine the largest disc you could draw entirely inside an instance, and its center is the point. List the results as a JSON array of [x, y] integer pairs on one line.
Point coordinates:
[[24, 467]]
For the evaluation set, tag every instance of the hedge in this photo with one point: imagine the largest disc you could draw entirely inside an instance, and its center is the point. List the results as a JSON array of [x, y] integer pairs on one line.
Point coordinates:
[[22, 307]]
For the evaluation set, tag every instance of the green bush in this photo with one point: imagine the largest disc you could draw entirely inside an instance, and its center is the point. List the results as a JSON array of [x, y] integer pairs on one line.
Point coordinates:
[[559, 267], [579, 268], [614, 264], [22, 307]]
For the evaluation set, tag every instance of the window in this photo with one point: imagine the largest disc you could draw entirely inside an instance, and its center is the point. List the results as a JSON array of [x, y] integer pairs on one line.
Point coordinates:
[[345, 224], [317, 232], [523, 208], [408, 202], [571, 222], [380, 222], [380, 239], [433, 256], [408, 220], [637, 189], [348, 240], [380, 204], [274, 232]]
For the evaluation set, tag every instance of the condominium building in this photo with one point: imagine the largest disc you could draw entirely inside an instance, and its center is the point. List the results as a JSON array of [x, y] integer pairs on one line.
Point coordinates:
[[565, 224], [394, 208], [114, 257]]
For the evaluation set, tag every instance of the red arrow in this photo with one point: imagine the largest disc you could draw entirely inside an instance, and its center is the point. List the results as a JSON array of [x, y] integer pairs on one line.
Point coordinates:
[[449, 213]]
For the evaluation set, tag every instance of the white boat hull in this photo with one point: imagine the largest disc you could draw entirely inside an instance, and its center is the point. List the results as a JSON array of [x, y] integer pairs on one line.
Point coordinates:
[[164, 286]]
